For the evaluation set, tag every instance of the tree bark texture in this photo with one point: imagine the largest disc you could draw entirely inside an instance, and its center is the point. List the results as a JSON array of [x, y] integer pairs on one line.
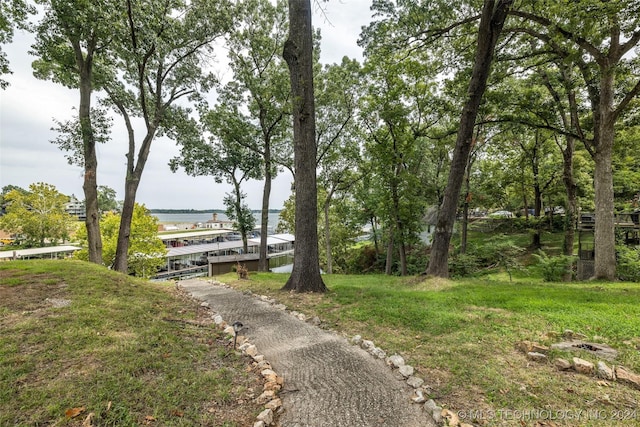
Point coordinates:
[[298, 53], [90, 183], [494, 13]]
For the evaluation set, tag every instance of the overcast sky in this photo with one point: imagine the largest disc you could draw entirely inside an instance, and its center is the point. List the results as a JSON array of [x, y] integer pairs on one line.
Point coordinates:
[[28, 107]]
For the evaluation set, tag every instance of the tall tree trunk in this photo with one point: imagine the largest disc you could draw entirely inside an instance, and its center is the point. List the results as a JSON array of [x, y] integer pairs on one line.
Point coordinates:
[[298, 53], [572, 204], [388, 266], [263, 262], [90, 183], [132, 182], [327, 232], [536, 242], [239, 214], [494, 13], [604, 237]]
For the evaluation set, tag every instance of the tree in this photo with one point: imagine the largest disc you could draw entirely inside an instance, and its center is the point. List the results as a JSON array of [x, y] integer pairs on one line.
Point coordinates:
[[337, 138], [225, 156], [298, 53], [260, 88], [600, 51], [13, 15], [70, 39], [37, 216], [146, 251], [161, 54], [107, 199], [492, 20]]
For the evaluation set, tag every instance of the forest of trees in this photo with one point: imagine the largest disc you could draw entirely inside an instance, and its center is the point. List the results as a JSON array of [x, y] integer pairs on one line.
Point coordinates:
[[457, 106]]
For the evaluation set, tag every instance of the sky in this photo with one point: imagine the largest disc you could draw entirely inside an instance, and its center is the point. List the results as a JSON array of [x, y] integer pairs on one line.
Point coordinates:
[[29, 106]]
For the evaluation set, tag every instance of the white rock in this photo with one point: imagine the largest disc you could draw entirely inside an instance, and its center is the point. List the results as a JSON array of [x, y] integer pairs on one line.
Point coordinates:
[[302, 317], [418, 397], [274, 404], [266, 372], [357, 339], [265, 397], [415, 382], [264, 365], [259, 424], [244, 346], [217, 319], [395, 361], [281, 307], [204, 304], [378, 352], [266, 416], [229, 330], [537, 357], [251, 350], [258, 357], [406, 370], [366, 344]]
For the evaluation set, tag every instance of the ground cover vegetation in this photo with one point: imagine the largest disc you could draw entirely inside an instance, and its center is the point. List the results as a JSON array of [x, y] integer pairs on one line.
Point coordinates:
[[461, 337], [84, 346]]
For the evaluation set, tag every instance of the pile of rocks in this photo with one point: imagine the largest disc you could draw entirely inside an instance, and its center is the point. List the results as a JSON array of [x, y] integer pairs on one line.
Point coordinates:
[[539, 353]]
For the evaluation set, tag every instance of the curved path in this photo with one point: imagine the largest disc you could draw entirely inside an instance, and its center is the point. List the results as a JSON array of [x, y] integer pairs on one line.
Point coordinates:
[[328, 382]]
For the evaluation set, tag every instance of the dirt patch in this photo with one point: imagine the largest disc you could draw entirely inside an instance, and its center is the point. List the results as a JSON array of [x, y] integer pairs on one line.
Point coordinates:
[[32, 292]]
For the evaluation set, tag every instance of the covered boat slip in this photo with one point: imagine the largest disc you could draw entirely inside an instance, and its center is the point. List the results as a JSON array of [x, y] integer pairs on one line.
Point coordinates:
[[51, 252], [220, 257], [201, 237]]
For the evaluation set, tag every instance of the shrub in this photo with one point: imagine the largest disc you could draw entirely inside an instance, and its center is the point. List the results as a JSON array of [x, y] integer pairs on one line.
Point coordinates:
[[628, 263], [463, 265], [553, 268]]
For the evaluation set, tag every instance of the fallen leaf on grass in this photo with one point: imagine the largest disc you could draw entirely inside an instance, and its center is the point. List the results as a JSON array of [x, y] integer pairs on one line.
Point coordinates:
[[87, 421], [604, 384], [149, 419], [177, 413], [73, 412]]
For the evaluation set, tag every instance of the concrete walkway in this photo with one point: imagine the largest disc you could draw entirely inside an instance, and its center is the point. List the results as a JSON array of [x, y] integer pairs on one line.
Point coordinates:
[[328, 382]]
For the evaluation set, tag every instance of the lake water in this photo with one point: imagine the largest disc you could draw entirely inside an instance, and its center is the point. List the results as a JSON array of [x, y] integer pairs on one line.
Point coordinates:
[[194, 218]]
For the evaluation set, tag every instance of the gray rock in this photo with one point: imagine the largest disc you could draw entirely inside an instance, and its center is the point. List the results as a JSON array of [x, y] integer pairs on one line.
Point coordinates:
[[605, 372], [537, 357], [418, 397], [378, 352], [562, 364], [415, 382], [366, 344], [217, 319], [406, 370], [430, 405], [395, 361], [266, 416], [357, 339]]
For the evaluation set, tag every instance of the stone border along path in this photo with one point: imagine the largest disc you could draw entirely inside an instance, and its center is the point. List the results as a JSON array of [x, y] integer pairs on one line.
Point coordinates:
[[327, 381]]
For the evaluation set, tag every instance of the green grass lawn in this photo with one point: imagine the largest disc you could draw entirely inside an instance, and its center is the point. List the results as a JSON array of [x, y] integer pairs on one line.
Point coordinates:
[[123, 352], [461, 338]]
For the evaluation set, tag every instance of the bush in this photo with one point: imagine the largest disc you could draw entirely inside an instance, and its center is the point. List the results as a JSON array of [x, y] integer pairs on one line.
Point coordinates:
[[554, 268], [463, 265], [628, 263]]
